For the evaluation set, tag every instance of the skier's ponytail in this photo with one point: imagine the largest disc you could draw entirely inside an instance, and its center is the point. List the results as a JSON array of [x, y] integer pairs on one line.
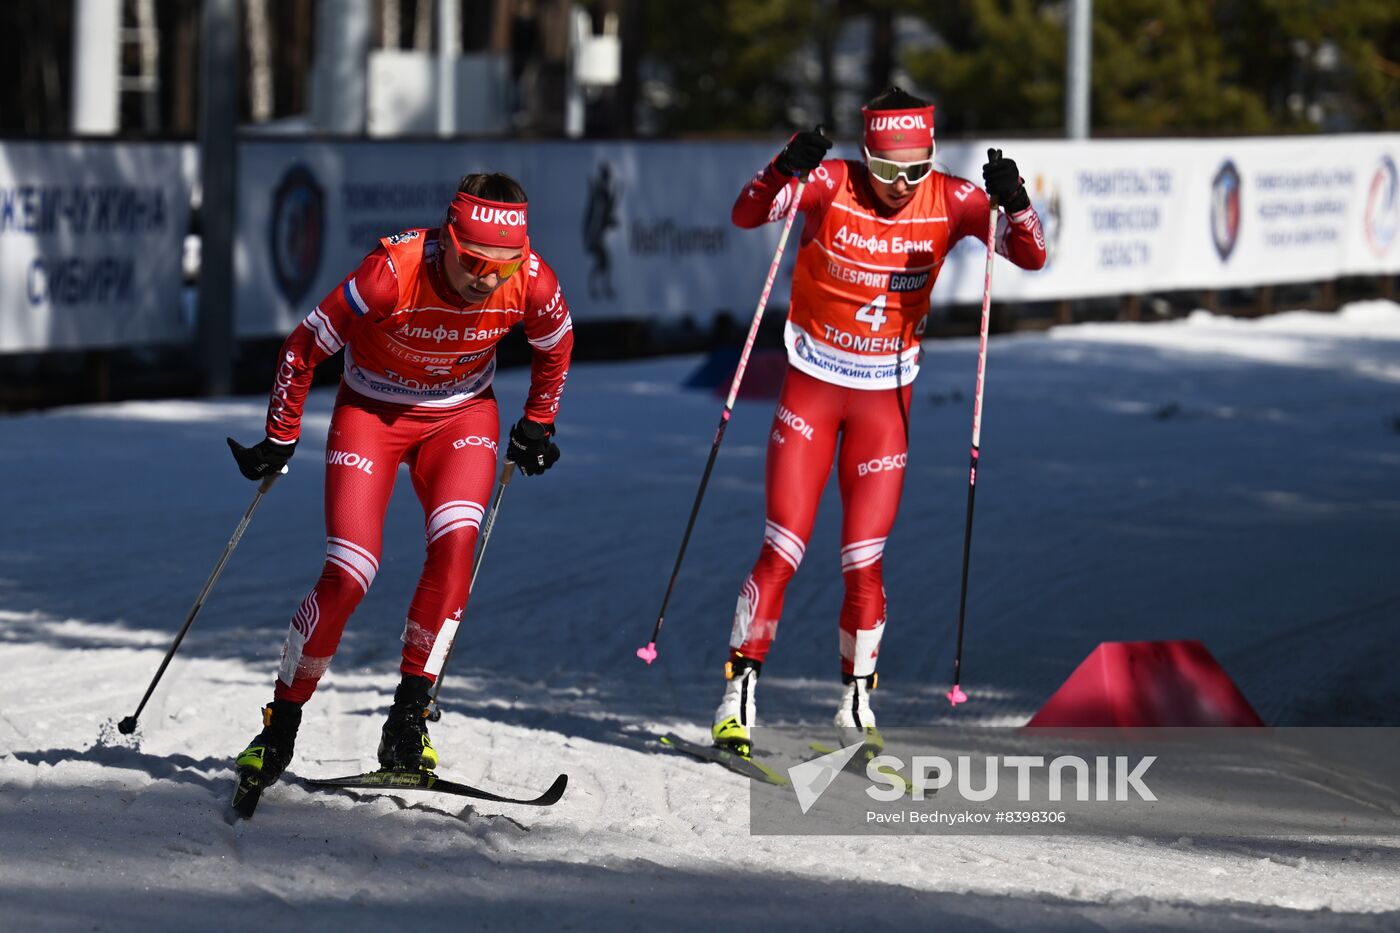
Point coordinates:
[[496, 186]]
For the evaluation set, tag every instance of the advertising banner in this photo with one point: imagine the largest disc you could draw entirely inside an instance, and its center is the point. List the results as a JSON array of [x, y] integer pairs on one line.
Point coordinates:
[[91, 234], [633, 230], [1135, 217], [1110, 212], [642, 230], [91, 241]]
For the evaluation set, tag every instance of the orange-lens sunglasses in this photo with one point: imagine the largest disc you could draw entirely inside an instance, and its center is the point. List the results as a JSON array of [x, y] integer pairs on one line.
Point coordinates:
[[482, 266]]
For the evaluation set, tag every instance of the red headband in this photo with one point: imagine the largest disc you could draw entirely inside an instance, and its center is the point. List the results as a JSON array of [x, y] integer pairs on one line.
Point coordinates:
[[898, 129], [487, 223]]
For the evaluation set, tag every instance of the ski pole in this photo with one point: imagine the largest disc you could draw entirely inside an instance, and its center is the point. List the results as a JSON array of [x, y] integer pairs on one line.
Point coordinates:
[[648, 651], [507, 472], [956, 695], [128, 725]]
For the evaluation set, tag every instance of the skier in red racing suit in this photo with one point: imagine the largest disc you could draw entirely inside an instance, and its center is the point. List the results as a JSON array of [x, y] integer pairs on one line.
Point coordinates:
[[875, 235], [418, 320]]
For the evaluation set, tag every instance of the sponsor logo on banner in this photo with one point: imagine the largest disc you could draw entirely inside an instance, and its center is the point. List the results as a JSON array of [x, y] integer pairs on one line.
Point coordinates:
[[599, 216], [1225, 209], [667, 238], [1383, 207], [297, 235], [87, 235]]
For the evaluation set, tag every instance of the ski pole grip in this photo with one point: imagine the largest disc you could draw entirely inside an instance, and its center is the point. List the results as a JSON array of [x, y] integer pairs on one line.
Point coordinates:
[[268, 480]]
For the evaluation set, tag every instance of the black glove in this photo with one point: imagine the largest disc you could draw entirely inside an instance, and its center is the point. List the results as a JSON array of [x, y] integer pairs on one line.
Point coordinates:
[[531, 448], [1003, 182], [262, 459], [803, 153]]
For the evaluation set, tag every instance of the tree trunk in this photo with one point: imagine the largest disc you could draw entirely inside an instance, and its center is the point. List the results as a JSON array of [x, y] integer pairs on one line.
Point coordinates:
[[259, 61], [881, 50], [149, 45], [390, 24], [826, 29], [423, 25], [180, 79], [631, 33]]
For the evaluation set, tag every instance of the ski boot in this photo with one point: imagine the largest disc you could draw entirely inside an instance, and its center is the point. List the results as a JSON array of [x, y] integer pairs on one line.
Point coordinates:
[[735, 715], [267, 756], [404, 744], [855, 721]]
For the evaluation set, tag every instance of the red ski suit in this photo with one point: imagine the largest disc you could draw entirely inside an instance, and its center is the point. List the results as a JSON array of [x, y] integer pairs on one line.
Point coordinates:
[[860, 300], [417, 390]]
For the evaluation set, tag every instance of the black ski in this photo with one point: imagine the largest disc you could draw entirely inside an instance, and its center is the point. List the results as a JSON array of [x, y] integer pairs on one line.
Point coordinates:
[[749, 767], [427, 781], [247, 793]]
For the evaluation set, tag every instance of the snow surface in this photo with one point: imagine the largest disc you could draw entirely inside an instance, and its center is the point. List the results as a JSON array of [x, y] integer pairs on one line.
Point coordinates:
[[1228, 480]]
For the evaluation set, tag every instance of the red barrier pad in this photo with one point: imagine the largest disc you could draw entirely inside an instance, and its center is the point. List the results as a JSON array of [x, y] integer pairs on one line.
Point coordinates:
[[1146, 684]]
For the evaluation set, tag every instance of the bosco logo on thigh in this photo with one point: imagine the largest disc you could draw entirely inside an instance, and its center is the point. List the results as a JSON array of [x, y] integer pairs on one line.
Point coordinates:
[[886, 464], [475, 440]]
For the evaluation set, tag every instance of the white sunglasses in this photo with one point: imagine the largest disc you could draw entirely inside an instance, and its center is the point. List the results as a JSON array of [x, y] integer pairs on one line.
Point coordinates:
[[889, 171]]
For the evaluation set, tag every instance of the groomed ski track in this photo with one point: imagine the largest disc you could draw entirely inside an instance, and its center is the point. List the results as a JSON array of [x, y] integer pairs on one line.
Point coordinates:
[[1233, 481]]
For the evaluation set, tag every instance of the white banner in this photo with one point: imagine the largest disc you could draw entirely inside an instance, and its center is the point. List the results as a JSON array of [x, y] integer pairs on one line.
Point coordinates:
[[91, 239], [1133, 217], [641, 230], [634, 230]]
